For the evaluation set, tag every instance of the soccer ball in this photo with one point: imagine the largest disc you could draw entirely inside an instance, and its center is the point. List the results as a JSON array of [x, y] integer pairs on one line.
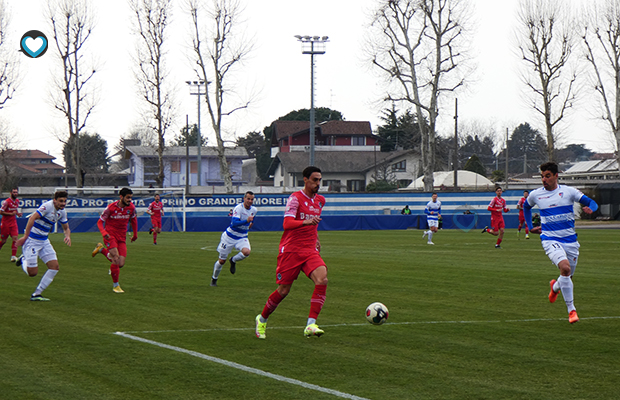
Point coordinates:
[[377, 313]]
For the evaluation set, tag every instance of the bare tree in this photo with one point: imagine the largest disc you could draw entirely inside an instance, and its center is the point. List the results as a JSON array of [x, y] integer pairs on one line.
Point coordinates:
[[602, 41], [72, 23], [8, 140], [218, 50], [546, 41], [151, 22], [419, 45], [8, 63]]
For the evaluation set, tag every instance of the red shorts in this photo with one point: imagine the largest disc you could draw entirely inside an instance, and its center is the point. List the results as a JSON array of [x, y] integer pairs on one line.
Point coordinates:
[[114, 243], [497, 223], [521, 218], [290, 264], [8, 230], [156, 222]]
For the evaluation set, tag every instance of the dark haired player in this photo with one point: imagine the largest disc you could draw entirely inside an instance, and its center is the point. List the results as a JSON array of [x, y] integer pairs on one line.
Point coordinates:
[[300, 252], [113, 227], [557, 230], [35, 243], [8, 225]]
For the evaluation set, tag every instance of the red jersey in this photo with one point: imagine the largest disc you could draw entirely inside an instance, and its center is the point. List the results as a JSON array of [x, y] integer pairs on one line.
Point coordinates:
[[9, 205], [115, 219], [302, 239], [156, 208], [496, 206], [522, 200]]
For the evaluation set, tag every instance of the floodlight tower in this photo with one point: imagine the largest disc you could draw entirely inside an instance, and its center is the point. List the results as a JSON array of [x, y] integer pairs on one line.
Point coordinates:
[[312, 45]]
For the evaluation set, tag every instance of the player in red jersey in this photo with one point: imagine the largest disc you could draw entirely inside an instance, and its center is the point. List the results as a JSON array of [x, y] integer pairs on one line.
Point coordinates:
[[156, 211], [113, 227], [300, 251], [8, 225], [496, 206], [521, 216]]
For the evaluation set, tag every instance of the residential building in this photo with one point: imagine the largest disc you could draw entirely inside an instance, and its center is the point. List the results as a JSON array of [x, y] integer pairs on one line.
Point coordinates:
[[346, 151], [29, 162], [144, 165]]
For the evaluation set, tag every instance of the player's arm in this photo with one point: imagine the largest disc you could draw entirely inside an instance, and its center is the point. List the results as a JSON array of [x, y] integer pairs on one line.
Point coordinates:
[[134, 227], [67, 231], [101, 226], [589, 205], [35, 216], [527, 214], [3, 210], [427, 211]]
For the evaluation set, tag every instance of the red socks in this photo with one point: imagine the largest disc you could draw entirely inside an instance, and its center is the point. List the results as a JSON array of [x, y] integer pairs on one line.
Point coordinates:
[[272, 303], [115, 272], [317, 300]]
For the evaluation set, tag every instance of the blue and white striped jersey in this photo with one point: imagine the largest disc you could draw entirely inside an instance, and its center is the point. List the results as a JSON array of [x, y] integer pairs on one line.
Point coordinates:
[[435, 208], [557, 216], [239, 225], [49, 216]]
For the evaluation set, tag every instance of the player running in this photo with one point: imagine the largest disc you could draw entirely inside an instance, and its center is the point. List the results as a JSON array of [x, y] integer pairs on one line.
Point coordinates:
[[35, 242], [433, 213], [156, 211], [113, 227], [522, 217], [496, 206], [557, 231], [236, 236], [300, 251], [8, 224]]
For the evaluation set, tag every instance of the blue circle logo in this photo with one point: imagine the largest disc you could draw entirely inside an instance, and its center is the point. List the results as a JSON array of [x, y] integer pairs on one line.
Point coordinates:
[[33, 44]]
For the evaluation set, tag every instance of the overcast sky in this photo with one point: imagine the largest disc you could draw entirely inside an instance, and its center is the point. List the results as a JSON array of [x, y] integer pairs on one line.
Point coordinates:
[[277, 74]]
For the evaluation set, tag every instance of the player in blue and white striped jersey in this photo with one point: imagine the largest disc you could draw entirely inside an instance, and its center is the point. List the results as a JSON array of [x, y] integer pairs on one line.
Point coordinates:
[[236, 236], [557, 230], [36, 244], [433, 212]]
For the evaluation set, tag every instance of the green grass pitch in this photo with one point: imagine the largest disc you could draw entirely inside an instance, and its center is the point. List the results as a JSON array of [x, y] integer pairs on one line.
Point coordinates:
[[466, 321]]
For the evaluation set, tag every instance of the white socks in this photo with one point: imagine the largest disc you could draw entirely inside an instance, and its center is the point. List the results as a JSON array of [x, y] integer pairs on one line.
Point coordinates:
[[238, 257], [430, 236], [217, 268], [566, 286], [45, 281], [311, 321]]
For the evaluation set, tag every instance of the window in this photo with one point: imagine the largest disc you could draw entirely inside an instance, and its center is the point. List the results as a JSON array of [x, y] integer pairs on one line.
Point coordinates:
[[193, 167], [358, 140], [175, 166], [400, 166], [355, 185], [333, 184]]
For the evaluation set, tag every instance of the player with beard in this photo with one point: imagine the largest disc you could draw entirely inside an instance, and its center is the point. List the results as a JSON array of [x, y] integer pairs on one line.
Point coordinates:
[[300, 252], [113, 227]]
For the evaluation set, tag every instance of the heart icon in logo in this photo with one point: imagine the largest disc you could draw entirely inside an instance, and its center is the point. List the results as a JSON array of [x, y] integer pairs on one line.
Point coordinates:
[[33, 44]]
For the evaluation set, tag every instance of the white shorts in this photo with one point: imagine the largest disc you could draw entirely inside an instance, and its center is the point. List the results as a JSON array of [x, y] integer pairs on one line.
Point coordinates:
[[432, 223], [227, 244], [557, 251], [34, 248]]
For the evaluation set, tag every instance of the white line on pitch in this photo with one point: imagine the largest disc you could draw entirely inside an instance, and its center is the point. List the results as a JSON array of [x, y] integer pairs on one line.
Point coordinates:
[[242, 367], [366, 324]]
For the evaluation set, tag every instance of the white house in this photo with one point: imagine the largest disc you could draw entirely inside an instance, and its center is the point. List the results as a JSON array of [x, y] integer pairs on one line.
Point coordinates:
[[144, 165]]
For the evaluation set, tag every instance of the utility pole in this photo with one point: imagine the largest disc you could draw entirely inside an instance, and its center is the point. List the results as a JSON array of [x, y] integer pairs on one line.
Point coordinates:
[[456, 145], [186, 153], [506, 188]]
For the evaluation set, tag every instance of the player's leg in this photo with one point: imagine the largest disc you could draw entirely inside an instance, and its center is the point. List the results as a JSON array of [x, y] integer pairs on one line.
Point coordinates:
[[223, 248], [30, 255], [48, 255], [118, 254], [316, 270], [557, 254], [14, 233], [243, 245], [287, 270], [4, 236]]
